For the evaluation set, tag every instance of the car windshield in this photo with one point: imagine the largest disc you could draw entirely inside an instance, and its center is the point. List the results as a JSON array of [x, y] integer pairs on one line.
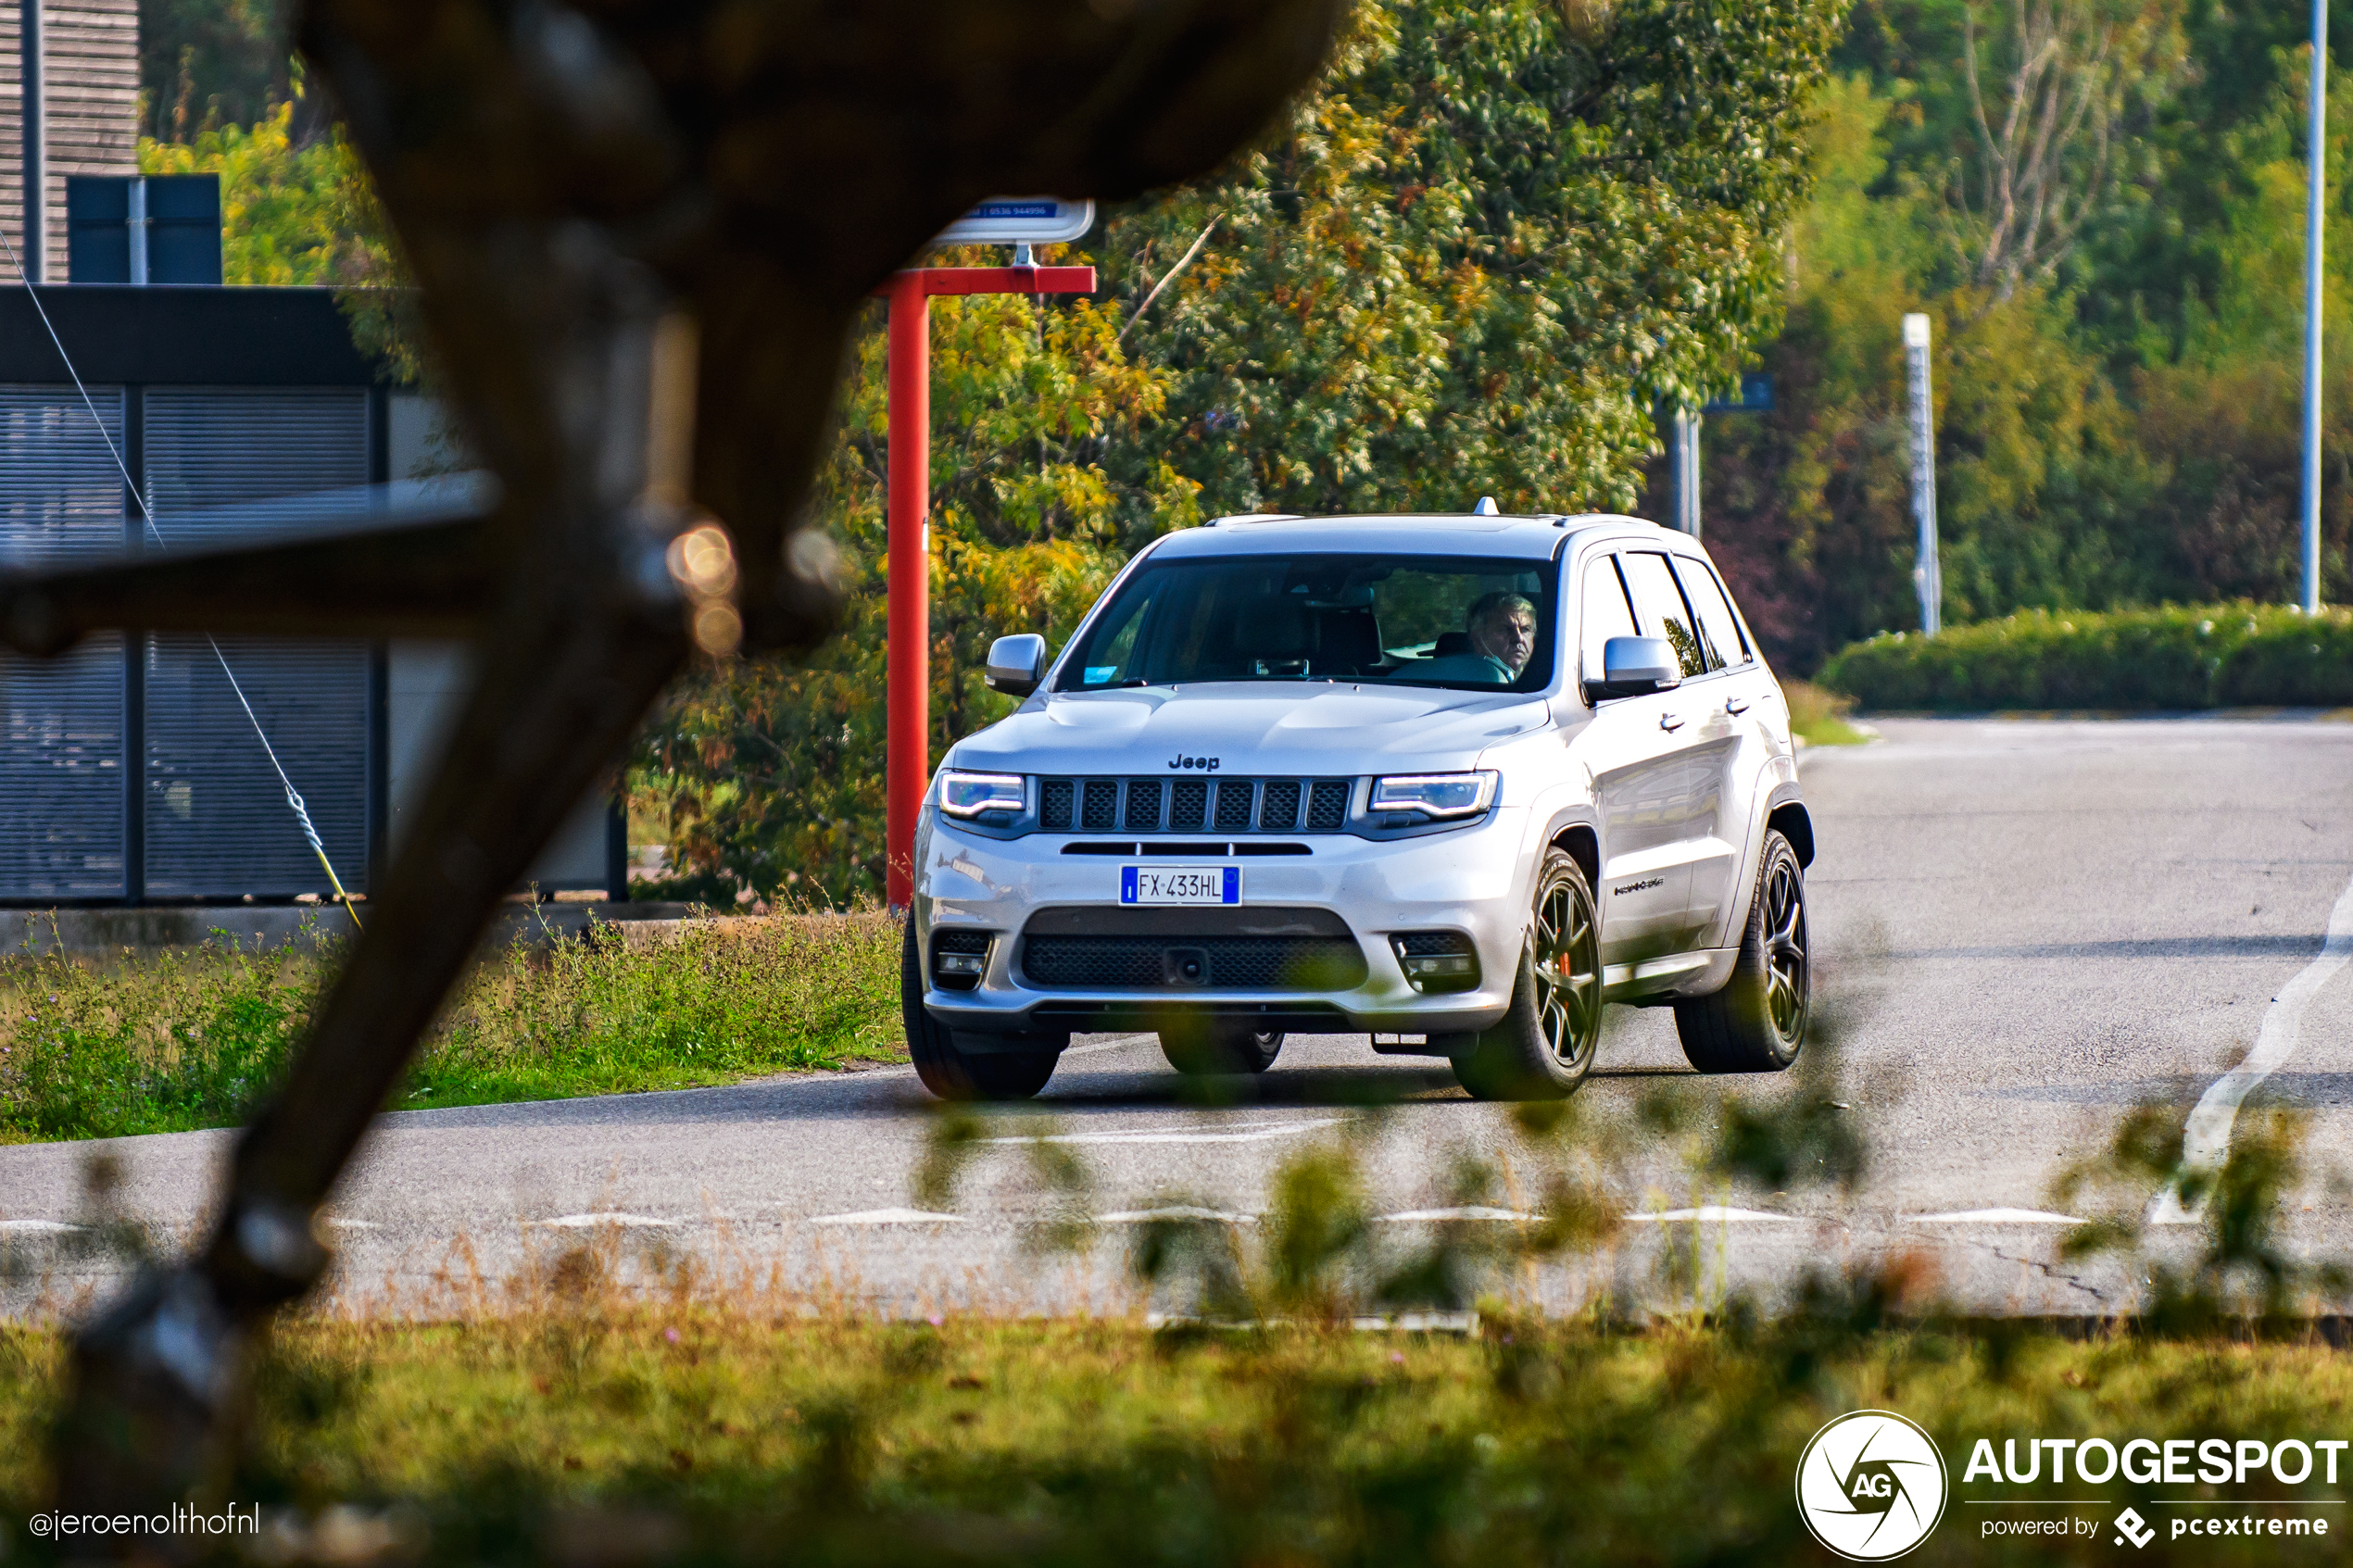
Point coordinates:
[[1407, 619]]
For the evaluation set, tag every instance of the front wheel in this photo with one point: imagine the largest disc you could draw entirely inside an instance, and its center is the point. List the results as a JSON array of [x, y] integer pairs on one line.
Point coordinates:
[[1544, 1046], [1757, 1023], [1210, 1049], [952, 1072]]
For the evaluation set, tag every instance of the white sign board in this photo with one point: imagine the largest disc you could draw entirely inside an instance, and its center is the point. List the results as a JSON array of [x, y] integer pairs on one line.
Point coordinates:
[[1008, 221]]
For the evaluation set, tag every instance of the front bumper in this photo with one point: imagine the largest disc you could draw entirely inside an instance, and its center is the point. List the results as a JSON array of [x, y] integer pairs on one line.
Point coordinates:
[[1472, 882]]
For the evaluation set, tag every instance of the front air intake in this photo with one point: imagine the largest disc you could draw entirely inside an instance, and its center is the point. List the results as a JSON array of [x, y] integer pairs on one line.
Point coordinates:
[[1194, 804]]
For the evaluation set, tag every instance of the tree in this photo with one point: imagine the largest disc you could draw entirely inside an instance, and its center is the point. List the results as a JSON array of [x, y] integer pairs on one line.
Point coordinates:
[[206, 64], [2046, 149], [1475, 257]]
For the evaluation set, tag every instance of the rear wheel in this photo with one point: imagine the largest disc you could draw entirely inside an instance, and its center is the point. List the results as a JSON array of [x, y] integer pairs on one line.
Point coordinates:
[[1544, 1046], [1209, 1048], [1757, 1023], [952, 1072]]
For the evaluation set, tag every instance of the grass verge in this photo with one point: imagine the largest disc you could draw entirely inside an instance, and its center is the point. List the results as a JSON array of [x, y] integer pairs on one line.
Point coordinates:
[[1819, 717], [650, 1434], [170, 1041]]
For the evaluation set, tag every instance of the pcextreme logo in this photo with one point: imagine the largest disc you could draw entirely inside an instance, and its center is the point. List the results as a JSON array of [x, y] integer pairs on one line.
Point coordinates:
[[1870, 1486]]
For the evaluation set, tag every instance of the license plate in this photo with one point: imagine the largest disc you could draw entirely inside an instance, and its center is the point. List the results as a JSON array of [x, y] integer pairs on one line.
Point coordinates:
[[1180, 884]]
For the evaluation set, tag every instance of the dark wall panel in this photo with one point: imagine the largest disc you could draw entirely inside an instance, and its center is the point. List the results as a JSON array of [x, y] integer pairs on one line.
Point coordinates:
[[218, 823], [61, 767]]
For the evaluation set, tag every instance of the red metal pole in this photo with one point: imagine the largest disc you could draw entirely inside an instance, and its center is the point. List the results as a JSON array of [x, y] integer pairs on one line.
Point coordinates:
[[907, 759], [907, 686]]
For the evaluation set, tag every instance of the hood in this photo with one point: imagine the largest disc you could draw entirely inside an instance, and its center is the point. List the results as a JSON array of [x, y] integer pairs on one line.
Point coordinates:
[[1252, 730]]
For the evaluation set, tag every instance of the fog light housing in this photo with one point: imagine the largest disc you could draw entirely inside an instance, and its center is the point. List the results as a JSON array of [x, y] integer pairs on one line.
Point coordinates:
[[959, 959], [1437, 960]]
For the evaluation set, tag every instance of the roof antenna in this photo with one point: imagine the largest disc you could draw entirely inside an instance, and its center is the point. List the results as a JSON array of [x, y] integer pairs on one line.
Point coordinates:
[[1486, 506]]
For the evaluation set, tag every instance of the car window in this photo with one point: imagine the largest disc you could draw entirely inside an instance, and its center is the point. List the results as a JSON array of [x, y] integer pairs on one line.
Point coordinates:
[[1603, 614], [1660, 605], [1719, 629], [1406, 619], [1113, 647]]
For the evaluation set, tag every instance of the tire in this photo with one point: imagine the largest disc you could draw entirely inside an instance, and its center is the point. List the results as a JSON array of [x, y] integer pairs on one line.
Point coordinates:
[[1210, 1049], [1757, 1023], [1544, 1046], [956, 1074]]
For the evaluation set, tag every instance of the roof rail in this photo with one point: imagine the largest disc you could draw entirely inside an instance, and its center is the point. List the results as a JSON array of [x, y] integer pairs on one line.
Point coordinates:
[[1562, 520], [1256, 517]]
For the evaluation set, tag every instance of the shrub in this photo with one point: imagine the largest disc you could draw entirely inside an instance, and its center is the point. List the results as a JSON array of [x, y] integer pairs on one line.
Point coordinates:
[[2293, 660], [2170, 658]]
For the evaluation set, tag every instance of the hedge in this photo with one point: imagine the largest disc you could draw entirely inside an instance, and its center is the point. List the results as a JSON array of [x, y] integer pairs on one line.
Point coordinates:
[[2217, 655]]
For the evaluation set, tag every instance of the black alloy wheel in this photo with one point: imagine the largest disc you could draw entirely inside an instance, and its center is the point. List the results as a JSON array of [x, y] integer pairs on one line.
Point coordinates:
[[1757, 1023], [1545, 1044]]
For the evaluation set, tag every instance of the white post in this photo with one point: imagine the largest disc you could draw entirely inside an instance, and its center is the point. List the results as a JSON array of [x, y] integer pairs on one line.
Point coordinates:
[[1682, 472], [138, 231], [2316, 182], [1926, 577]]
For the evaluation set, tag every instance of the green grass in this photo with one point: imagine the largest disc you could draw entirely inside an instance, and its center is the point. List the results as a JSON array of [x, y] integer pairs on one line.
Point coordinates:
[[169, 1041], [685, 1432], [1819, 717]]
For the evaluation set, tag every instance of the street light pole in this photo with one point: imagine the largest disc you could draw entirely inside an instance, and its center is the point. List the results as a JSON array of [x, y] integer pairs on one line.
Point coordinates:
[[2316, 182], [1927, 576]]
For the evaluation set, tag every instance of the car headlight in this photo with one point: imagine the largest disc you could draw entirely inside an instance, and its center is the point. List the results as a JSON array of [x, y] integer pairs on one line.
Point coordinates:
[[968, 795], [1440, 797]]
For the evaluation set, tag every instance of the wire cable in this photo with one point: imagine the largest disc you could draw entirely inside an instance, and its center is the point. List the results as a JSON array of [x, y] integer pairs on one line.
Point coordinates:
[[147, 516]]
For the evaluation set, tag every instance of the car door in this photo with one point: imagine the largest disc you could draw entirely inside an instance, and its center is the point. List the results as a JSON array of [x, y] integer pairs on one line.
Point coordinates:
[[1644, 896], [1698, 744], [1729, 717]]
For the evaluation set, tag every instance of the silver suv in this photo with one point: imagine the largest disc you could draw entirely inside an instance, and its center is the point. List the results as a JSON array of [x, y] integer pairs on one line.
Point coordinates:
[[1449, 782]]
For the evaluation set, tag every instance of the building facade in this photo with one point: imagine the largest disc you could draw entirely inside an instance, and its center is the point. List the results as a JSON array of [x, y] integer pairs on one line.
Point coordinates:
[[130, 769], [85, 80]]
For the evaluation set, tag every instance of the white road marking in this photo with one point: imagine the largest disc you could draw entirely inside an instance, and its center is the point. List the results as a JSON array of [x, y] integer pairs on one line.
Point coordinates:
[[1257, 1134], [343, 1224], [1994, 1217], [1710, 1215], [1175, 1211], [1400, 1323], [888, 1217], [36, 1228], [591, 1222], [2205, 1140], [1474, 1211]]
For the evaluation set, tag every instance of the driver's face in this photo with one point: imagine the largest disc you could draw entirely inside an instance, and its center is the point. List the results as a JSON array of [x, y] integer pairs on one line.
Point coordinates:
[[1509, 637]]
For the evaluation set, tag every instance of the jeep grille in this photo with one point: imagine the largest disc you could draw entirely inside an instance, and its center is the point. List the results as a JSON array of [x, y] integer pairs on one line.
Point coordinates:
[[1194, 804]]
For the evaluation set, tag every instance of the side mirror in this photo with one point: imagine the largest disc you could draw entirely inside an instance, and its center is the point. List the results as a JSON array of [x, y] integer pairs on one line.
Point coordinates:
[[1636, 667], [1017, 664]]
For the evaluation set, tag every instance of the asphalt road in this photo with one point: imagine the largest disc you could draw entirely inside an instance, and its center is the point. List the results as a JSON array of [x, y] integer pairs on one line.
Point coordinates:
[[2025, 928]]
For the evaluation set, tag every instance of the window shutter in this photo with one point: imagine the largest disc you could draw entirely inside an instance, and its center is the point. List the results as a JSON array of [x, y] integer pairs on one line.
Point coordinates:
[[61, 773], [217, 819]]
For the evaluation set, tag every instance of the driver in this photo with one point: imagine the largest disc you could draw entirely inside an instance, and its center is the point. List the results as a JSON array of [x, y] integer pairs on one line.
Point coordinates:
[[1502, 627]]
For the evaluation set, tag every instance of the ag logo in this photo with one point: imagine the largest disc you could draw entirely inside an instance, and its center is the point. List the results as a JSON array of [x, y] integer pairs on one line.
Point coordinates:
[[1870, 1486]]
